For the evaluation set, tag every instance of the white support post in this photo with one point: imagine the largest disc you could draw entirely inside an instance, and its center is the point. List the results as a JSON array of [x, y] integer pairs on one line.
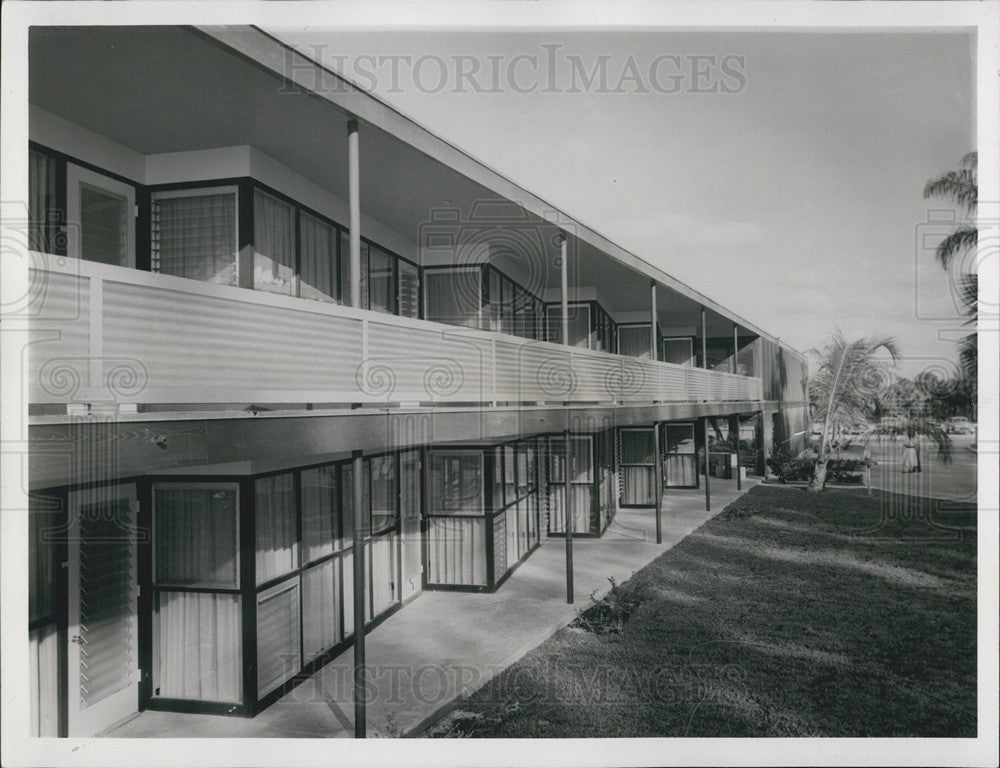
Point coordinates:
[[653, 340], [354, 205]]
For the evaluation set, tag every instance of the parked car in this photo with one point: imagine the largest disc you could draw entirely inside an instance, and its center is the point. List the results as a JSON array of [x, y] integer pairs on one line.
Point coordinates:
[[959, 425]]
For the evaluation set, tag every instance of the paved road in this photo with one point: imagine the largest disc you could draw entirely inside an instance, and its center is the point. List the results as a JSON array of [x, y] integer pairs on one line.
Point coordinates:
[[955, 480]]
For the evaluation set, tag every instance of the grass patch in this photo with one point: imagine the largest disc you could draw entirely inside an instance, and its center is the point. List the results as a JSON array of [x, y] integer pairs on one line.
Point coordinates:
[[788, 614]]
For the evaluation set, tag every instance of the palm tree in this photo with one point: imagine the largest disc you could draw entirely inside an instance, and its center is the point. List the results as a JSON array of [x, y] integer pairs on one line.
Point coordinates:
[[962, 186], [845, 389]]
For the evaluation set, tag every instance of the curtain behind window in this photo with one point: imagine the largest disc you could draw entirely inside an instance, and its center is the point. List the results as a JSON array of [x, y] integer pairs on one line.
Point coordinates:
[[196, 537], [277, 539], [318, 258], [273, 244], [41, 202], [195, 237]]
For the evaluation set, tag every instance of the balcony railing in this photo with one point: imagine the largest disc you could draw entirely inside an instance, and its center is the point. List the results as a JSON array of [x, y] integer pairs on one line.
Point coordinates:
[[110, 334]]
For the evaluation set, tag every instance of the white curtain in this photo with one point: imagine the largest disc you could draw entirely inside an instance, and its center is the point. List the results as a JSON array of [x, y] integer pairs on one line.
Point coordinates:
[[199, 646], [277, 635], [277, 540], [319, 513], [41, 200], [273, 244], [195, 236], [320, 608], [195, 536], [318, 259]]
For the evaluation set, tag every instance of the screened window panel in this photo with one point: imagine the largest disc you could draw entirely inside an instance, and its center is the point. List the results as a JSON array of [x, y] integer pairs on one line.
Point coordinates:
[[745, 363], [273, 244], [347, 502], [633, 341], [43, 216], [278, 656], [525, 469], [277, 539], [456, 483], [317, 258], [196, 536], [678, 438], [493, 309], [199, 647], [637, 446], [320, 608], [456, 549], [679, 470], [452, 296], [381, 280], [579, 324], [719, 352], [319, 513], [42, 570], [103, 226], [581, 460], [509, 474], [678, 351], [195, 237], [382, 563], [382, 473], [409, 289], [507, 306]]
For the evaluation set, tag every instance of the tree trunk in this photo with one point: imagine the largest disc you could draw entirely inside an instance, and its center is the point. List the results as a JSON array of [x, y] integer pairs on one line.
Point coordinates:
[[818, 482]]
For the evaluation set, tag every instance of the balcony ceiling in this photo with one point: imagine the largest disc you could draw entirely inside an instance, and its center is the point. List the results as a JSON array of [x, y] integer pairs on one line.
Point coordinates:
[[172, 89]]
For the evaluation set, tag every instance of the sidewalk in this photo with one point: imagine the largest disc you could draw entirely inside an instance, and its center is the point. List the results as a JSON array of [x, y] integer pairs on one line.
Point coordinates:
[[448, 644]]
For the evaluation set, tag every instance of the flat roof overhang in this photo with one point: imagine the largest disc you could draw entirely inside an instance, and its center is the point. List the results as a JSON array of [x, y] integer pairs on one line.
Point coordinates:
[[158, 90], [145, 444]]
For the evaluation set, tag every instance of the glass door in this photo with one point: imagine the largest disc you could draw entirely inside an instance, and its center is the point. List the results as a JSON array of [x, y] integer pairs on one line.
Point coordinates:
[[102, 656], [100, 213]]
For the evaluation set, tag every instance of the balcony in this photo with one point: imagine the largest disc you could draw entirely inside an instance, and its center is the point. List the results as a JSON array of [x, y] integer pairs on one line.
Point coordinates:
[[116, 335]]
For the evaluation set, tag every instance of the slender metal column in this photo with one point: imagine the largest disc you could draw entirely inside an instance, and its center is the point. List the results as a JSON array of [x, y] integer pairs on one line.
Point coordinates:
[[734, 430], [653, 341], [704, 442], [658, 481], [704, 341], [360, 674], [736, 344], [568, 513], [564, 288], [354, 204]]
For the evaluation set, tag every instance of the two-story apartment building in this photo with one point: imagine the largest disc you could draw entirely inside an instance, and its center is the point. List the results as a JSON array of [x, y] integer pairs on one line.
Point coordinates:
[[294, 357]]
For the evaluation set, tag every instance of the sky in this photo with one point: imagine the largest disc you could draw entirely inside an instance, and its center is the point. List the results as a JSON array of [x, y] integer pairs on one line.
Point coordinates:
[[781, 173]]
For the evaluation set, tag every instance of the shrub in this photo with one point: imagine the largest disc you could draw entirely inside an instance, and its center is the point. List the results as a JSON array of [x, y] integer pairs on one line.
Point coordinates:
[[608, 615], [779, 458]]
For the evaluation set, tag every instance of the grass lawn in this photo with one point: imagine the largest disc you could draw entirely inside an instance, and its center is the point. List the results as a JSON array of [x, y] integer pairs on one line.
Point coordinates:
[[788, 614]]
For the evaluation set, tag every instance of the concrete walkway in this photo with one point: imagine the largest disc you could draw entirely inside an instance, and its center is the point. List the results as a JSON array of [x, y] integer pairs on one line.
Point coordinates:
[[448, 644]]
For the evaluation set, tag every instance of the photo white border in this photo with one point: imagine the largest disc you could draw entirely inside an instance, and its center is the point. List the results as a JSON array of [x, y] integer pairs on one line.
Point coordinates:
[[18, 749]]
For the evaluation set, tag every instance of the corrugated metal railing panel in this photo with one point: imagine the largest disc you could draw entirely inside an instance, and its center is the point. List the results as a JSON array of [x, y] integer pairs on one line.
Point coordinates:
[[115, 334], [59, 350]]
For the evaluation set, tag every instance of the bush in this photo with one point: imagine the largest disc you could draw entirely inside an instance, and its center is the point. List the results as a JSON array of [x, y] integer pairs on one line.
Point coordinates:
[[608, 615], [778, 460]]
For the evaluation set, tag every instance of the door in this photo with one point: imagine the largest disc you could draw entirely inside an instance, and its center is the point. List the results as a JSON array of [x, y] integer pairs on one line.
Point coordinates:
[[102, 674], [100, 213]]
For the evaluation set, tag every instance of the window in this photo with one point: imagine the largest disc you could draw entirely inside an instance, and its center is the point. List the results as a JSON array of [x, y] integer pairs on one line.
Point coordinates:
[[273, 244], [43, 215], [196, 535], [409, 289], [381, 280], [579, 324], [277, 538], [320, 528], [679, 350], [456, 482], [452, 296], [382, 476], [277, 635], [100, 212], [194, 234], [634, 341], [318, 259]]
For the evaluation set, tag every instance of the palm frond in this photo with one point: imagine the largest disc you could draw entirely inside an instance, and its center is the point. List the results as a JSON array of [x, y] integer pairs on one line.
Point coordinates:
[[960, 186], [958, 242]]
